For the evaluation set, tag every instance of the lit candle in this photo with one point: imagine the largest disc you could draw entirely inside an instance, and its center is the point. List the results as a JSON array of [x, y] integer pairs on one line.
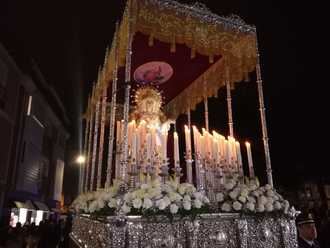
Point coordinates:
[[188, 140], [134, 142], [164, 144], [196, 140], [250, 161], [176, 150], [239, 158], [148, 137]]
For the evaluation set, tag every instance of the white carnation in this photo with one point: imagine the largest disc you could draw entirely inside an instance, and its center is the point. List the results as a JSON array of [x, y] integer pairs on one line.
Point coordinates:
[[229, 186], [268, 187], [219, 197], [262, 200], [244, 192], [237, 205], [144, 186], [174, 208], [251, 199], [269, 207], [250, 206], [187, 198], [187, 205], [270, 193], [137, 203], [161, 204], [126, 209], [260, 208], [286, 206], [197, 203], [112, 203], [206, 200], [182, 189], [270, 200], [226, 207], [147, 203], [242, 199], [198, 195], [233, 194], [277, 205]]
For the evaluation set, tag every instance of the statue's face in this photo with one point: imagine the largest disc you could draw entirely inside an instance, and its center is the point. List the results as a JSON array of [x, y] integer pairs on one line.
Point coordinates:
[[149, 106]]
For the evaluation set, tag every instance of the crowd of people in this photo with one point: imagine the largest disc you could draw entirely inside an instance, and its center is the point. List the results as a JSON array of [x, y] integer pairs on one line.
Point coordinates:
[[48, 234]]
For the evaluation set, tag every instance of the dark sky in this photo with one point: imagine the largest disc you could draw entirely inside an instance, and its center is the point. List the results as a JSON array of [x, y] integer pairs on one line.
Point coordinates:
[[67, 39]]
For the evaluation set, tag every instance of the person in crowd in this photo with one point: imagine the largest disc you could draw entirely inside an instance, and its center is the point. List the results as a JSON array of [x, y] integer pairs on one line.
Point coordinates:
[[307, 233]]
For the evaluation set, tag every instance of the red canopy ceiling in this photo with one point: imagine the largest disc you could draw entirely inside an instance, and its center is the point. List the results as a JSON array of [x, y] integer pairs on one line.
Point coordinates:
[[185, 68]]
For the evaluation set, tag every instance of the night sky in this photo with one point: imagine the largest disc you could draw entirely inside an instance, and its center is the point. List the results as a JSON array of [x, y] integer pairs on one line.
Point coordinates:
[[68, 41]]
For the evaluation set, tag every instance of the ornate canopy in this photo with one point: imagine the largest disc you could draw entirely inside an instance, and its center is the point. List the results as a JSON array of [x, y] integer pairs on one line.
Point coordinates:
[[201, 47]]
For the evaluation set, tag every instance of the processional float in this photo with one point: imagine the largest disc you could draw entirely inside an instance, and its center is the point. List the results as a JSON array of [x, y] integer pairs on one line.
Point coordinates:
[[165, 58]]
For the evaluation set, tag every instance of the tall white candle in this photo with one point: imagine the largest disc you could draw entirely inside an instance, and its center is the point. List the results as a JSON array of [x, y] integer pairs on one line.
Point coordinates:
[[134, 141], [148, 137], [188, 140], [250, 161], [176, 150], [118, 134], [164, 144], [239, 157]]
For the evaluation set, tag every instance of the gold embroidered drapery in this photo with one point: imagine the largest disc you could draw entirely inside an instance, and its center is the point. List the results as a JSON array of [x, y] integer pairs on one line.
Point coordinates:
[[201, 31]]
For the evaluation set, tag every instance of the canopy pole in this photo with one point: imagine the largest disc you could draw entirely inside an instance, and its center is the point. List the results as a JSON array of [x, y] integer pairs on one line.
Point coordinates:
[[262, 110], [189, 118], [84, 166], [229, 105], [96, 134], [206, 108], [124, 162], [113, 108], [101, 142], [91, 124]]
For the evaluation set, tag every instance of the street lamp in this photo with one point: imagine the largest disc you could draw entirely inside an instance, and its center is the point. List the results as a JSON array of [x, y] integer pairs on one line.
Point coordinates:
[[80, 160]]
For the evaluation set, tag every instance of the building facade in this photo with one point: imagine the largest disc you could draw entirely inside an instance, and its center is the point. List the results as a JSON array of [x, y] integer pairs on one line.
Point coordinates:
[[32, 138]]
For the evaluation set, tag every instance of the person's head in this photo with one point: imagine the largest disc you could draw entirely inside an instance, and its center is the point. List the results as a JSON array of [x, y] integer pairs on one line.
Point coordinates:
[[306, 227]]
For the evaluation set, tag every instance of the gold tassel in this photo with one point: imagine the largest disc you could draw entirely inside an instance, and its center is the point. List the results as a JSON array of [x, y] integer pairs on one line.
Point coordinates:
[[211, 59], [193, 53], [151, 40], [173, 46]]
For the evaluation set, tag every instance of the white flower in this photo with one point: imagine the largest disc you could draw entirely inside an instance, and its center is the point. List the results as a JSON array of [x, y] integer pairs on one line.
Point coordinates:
[[237, 205], [126, 209], [244, 192], [251, 199], [229, 186], [206, 200], [277, 205], [197, 203], [260, 208], [286, 206], [112, 203], [167, 201], [255, 193], [268, 187], [147, 203], [253, 187], [250, 206], [219, 197], [187, 198], [242, 199], [198, 195], [226, 207], [137, 203], [174, 208], [161, 204], [144, 186], [233, 194], [187, 205], [270, 193], [270, 200], [262, 200], [174, 196], [269, 207]]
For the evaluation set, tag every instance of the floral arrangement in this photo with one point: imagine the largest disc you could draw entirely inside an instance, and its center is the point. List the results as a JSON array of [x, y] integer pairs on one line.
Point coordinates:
[[249, 197], [102, 201], [170, 198]]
